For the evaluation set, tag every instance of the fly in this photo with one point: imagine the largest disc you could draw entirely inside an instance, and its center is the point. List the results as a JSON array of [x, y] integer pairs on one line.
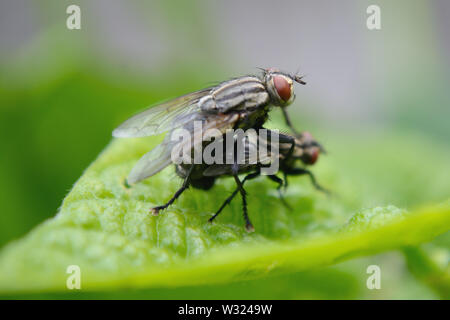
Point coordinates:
[[202, 176], [242, 102]]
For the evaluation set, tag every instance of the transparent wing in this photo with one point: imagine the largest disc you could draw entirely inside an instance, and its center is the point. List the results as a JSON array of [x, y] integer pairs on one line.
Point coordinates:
[[253, 156], [215, 170], [151, 163], [161, 156], [248, 160], [163, 117]]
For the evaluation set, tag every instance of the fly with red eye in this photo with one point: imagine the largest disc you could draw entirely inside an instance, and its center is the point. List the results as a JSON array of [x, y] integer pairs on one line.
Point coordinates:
[[239, 103], [306, 153], [242, 102]]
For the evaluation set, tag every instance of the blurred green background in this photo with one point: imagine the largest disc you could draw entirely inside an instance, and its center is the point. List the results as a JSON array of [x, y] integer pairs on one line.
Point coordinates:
[[63, 91]]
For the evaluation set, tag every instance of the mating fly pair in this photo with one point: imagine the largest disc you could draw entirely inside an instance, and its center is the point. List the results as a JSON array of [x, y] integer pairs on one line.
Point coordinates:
[[203, 176], [239, 103]]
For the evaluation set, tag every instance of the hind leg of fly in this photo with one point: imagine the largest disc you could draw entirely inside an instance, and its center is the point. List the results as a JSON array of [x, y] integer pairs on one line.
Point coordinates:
[[235, 192], [186, 182], [248, 224], [280, 184]]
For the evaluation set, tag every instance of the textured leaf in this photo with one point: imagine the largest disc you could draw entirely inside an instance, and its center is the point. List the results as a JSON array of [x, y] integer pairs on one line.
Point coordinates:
[[106, 229]]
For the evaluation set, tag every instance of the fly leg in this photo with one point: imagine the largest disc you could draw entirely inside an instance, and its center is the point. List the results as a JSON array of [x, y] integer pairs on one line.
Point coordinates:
[[235, 170], [288, 121], [285, 178], [280, 184], [301, 171], [248, 224], [283, 138], [228, 200], [186, 182]]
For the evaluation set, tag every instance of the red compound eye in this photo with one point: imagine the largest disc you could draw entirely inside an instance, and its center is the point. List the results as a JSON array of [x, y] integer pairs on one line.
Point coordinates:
[[283, 87], [314, 156]]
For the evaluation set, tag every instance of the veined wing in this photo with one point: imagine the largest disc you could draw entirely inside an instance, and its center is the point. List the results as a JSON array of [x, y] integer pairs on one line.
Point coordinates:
[[161, 118], [161, 156], [212, 128], [251, 157], [216, 170], [151, 163]]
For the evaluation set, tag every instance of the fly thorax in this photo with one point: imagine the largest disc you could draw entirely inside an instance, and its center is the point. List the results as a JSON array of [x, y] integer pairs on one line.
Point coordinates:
[[236, 95], [207, 104]]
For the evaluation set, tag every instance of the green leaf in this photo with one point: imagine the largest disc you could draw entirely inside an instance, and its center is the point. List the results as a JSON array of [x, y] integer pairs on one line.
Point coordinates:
[[106, 229]]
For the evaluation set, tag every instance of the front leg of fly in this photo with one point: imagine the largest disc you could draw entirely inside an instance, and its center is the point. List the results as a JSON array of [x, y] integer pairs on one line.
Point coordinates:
[[288, 121], [283, 138]]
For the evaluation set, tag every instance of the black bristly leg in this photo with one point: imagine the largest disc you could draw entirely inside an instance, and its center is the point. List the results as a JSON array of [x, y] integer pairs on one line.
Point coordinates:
[[283, 138], [228, 200], [155, 210], [301, 171], [280, 184], [285, 178], [288, 121], [248, 224]]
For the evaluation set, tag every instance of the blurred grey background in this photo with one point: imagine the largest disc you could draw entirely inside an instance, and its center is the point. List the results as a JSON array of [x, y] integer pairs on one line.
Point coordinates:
[[351, 71]]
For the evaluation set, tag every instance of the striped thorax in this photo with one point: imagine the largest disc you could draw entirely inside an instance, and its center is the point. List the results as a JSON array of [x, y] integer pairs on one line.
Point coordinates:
[[246, 92]]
